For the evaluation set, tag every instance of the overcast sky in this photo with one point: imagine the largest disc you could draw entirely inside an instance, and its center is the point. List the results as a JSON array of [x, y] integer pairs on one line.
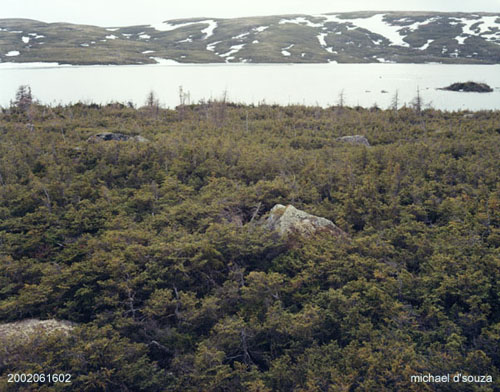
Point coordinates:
[[128, 12]]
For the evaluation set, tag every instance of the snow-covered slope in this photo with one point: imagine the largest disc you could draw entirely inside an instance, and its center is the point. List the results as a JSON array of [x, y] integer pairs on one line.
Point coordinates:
[[330, 37]]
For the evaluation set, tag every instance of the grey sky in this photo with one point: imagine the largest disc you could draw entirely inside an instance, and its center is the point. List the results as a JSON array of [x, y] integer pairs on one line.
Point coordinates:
[[128, 12]]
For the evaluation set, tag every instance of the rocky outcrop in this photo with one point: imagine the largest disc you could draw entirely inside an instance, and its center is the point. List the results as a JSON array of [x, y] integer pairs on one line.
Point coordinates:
[[469, 87], [289, 220], [355, 139], [112, 136]]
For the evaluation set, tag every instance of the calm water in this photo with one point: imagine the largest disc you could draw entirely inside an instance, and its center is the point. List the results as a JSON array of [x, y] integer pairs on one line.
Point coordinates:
[[310, 84]]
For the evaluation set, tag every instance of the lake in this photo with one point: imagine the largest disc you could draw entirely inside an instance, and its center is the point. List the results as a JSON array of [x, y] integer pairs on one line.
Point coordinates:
[[309, 84]]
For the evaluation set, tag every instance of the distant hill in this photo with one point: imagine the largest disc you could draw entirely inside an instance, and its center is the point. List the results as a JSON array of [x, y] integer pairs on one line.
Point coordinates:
[[357, 37]]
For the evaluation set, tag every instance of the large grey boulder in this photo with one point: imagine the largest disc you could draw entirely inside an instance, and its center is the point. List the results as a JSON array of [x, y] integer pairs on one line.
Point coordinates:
[[27, 333], [289, 220], [355, 139]]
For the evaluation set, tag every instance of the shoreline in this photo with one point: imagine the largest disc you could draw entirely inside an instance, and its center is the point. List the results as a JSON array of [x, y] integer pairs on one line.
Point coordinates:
[[169, 62]]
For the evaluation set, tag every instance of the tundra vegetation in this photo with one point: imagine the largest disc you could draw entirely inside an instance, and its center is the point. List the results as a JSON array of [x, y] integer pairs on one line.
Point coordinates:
[[156, 251]]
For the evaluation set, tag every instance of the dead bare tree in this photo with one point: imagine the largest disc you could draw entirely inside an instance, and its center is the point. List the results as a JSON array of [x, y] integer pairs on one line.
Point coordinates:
[[395, 101], [218, 110], [184, 99], [418, 102], [153, 103], [341, 100]]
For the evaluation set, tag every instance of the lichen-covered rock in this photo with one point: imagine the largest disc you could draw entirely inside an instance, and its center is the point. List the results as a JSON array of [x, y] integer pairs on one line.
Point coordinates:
[[289, 220], [355, 139], [17, 339], [112, 136], [32, 327]]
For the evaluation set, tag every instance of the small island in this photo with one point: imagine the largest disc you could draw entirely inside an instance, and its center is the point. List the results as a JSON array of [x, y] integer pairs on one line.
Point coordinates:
[[469, 87]]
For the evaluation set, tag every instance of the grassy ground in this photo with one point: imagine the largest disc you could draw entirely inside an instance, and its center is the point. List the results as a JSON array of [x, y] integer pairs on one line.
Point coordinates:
[[157, 254]]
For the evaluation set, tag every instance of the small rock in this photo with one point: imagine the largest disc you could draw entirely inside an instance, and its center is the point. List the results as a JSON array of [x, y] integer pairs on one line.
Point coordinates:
[[289, 220], [355, 139], [140, 139], [107, 136]]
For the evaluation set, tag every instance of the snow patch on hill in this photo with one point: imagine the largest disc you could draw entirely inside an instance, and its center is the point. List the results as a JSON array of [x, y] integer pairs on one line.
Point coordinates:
[[426, 45], [377, 25], [211, 46], [321, 39], [285, 52], [488, 23], [209, 31], [233, 50], [260, 29], [240, 36], [162, 61], [301, 21], [36, 35], [167, 26], [416, 25], [485, 26]]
